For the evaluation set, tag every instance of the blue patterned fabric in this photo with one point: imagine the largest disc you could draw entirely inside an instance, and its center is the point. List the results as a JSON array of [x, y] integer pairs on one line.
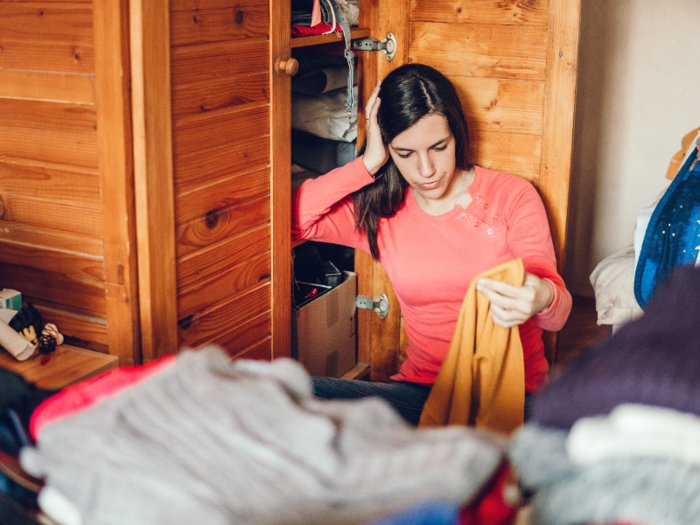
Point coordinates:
[[673, 235]]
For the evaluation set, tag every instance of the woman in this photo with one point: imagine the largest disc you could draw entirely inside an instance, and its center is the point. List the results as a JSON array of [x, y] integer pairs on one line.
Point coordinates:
[[434, 222]]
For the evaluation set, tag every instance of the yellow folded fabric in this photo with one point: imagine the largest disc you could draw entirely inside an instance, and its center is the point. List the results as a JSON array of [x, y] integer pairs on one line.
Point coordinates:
[[481, 382]]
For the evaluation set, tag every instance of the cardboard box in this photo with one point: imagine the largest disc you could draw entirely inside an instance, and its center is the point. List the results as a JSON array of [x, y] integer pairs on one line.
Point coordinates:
[[10, 299], [324, 330]]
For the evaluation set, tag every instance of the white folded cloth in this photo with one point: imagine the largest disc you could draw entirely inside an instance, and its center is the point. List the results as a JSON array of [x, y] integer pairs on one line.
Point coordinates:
[[14, 343]]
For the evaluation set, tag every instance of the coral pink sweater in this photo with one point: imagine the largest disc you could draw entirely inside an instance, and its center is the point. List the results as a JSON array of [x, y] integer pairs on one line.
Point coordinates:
[[432, 260]]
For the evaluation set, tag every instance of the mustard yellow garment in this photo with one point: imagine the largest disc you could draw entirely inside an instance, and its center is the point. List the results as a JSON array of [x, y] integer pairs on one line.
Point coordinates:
[[482, 379]]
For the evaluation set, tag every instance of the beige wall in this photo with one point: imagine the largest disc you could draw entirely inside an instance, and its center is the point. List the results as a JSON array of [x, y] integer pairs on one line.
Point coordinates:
[[638, 94]]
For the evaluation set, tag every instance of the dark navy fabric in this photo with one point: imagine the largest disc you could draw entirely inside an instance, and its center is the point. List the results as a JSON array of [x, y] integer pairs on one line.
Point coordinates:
[[653, 360], [673, 233]]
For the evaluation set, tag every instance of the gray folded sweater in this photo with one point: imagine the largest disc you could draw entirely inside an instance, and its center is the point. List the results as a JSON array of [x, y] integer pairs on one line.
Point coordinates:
[[640, 490], [214, 441]]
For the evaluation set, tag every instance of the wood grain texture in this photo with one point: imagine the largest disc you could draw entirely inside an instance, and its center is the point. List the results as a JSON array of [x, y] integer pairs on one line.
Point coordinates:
[[153, 174], [46, 22], [47, 86], [85, 331], [198, 330], [210, 200], [50, 238], [509, 12], [206, 265], [84, 295], [206, 62], [280, 180], [240, 20], [68, 365], [194, 168], [75, 265], [514, 153], [560, 103], [223, 226], [220, 94], [47, 214], [68, 187], [65, 57], [368, 73], [233, 281], [238, 341], [48, 131], [259, 351], [475, 50], [223, 128], [115, 153], [502, 105], [386, 333]]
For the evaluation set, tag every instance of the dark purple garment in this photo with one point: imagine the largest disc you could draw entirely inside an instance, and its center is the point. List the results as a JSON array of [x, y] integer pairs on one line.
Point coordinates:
[[653, 360]]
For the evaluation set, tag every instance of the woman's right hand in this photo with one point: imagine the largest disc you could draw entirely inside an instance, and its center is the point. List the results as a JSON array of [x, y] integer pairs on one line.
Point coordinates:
[[376, 153]]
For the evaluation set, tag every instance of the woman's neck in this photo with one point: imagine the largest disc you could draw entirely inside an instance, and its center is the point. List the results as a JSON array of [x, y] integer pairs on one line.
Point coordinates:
[[458, 193]]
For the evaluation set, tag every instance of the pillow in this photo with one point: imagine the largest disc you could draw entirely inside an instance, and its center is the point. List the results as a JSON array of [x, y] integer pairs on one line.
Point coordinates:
[[613, 285]]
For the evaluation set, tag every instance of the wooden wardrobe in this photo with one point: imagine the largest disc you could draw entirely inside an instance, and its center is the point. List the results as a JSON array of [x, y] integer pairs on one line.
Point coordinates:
[[145, 156]]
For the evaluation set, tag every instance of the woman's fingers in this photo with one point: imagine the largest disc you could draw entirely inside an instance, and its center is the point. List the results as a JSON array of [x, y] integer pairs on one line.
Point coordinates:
[[513, 305], [375, 154]]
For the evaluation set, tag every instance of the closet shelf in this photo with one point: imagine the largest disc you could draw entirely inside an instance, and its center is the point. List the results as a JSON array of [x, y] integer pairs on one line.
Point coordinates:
[[303, 41]]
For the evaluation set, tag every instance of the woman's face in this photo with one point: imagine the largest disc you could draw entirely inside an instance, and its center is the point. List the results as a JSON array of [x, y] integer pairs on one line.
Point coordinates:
[[425, 156]]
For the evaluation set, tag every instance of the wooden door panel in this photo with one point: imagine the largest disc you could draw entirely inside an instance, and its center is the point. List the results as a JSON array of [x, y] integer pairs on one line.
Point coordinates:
[[253, 334], [209, 264], [223, 93], [236, 312], [66, 291], [514, 153], [502, 105], [235, 280], [227, 225], [50, 238], [204, 62], [58, 216], [238, 20], [512, 12], [478, 50], [196, 167]]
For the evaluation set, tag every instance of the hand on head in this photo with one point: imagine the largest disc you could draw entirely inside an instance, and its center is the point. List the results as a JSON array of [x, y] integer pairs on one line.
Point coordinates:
[[376, 153], [513, 305]]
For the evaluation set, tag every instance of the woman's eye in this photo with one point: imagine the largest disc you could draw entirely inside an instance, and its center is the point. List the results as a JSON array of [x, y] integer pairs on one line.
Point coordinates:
[[441, 148], [404, 156]]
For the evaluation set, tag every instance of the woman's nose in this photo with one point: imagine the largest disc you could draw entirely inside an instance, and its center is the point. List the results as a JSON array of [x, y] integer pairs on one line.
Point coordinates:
[[426, 167]]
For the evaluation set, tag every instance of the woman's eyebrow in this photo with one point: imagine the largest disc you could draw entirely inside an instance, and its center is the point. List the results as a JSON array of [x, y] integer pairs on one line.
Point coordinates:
[[408, 149]]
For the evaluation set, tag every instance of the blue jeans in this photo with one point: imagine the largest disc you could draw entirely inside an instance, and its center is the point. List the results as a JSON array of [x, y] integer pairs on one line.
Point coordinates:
[[407, 398]]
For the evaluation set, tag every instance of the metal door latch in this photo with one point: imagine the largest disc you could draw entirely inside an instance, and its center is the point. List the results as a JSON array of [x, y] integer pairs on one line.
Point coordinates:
[[386, 46], [381, 305]]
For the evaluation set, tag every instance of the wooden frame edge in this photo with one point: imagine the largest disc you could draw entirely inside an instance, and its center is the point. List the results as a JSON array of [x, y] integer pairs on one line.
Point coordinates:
[[110, 20], [153, 175]]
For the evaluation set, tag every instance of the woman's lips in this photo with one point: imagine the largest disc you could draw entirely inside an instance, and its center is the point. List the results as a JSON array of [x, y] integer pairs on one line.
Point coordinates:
[[430, 185]]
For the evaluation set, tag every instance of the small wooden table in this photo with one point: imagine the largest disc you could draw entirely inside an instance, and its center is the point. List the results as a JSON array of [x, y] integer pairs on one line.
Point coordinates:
[[68, 365]]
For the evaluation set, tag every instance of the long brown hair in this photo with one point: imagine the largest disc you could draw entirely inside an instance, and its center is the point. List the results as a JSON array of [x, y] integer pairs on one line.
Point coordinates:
[[409, 93]]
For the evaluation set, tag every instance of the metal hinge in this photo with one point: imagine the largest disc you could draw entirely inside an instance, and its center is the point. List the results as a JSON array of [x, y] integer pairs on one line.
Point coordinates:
[[381, 305], [386, 46]]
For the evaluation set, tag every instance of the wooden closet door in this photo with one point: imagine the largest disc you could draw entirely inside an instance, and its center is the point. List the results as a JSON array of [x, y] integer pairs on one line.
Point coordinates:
[[514, 66], [212, 169]]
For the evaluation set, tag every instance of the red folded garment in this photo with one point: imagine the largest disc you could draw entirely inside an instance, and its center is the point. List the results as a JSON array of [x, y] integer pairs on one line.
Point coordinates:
[[319, 29], [492, 507], [86, 393]]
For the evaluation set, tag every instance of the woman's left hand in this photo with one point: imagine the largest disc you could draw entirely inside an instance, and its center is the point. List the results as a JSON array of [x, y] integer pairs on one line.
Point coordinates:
[[513, 305]]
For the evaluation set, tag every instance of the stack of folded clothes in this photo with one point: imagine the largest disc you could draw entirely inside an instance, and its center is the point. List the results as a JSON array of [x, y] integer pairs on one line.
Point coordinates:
[[199, 438], [616, 438]]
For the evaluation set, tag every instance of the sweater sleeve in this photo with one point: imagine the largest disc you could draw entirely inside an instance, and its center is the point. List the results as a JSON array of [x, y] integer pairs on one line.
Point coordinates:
[[322, 208], [529, 238]]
